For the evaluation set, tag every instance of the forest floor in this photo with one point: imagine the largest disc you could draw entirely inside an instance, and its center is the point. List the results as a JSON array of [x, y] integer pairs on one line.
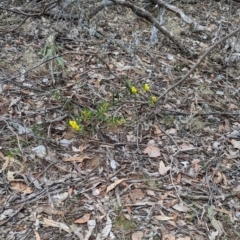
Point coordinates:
[[89, 148]]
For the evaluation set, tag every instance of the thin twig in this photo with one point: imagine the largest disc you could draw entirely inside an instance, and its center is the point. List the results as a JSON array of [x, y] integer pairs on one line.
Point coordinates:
[[12, 30], [208, 51], [18, 141], [169, 136], [201, 197], [7, 220], [149, 17]]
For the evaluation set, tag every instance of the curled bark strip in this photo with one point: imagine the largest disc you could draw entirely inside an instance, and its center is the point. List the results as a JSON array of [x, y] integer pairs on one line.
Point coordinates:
[[198, 62], [145, 14]]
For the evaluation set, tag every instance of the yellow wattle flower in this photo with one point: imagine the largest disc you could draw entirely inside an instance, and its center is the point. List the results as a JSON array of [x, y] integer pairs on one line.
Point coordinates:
[[134, 90], [74, 125], [146, 87], [153, 99]]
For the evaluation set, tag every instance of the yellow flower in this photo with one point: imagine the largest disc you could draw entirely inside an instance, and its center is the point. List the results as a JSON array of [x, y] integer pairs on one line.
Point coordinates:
[[74, 125], [134, 90], [146, 87], [153, 99]]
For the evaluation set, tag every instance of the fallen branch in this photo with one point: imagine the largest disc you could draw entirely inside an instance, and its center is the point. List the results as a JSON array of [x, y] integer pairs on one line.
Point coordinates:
[[173, 112], [99, 8], [148, 16], [46, 8], [198, 62], [201, 197], [182, 15]]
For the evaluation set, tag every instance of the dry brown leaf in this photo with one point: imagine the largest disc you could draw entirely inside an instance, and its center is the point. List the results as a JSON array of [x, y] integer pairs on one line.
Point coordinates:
[[157, 130], [193, 108], [171, 131], [175, 217], [236, 187], [5, 164], [227, 125], [165, 195], [37, 235], [152, 151], [180, 208], [233, 154], [21, 187], [83, 219], [48, 210], [221, 128], [195, 164], [129, 210], [163, 218], [113, 185], [162, 169], [235, 143], [218, 177], [186, 145], [184, 238], [81, 148], [137, 235], [225, 181], [79, 58], [51, 223], [222, 211], [69, 134], [2, 157], [131, 138], [150, 193], [146, 60], [171, 203], [179, 178], [168, 237], [136, 194], [93, 163], [4, 107], [111, 66], [70, 191], [232, 106], [77, 158]]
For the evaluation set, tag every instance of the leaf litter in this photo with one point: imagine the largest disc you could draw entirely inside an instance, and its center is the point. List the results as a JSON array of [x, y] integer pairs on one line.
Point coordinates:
[[134, 181]]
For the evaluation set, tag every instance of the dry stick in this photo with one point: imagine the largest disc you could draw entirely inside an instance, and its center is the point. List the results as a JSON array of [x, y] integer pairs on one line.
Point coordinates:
[[37, 14], [109, 69], [193, 197], [148, 16], [24, 201], [181, 14], [14, 214], [11, 80], [99, 8], [198, 62], [27, 15], [23, 21]]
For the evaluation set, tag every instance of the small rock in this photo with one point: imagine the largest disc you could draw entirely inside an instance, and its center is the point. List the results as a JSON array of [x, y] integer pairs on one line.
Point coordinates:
[[40, 151]]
